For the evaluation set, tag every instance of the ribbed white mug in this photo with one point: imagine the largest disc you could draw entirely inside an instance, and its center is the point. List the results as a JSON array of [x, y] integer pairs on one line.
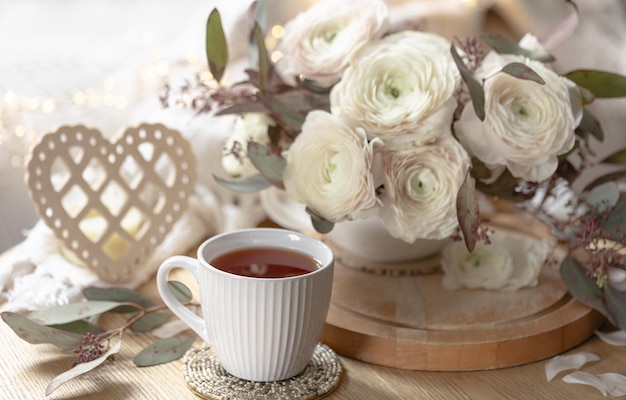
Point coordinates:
[[261, 329]]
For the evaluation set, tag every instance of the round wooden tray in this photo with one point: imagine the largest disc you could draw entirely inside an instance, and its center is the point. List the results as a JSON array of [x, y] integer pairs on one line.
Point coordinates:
[[412, 322]]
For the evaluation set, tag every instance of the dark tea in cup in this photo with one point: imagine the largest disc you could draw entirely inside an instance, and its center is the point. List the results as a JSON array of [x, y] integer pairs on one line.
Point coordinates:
[[266, 262]]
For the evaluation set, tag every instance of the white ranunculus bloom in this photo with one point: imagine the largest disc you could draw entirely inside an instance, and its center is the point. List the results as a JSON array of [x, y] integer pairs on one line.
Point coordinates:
[[401, 85], [421, 185], [509, 262], [249, 127], [318, 42], [329, 168], [527, 125]]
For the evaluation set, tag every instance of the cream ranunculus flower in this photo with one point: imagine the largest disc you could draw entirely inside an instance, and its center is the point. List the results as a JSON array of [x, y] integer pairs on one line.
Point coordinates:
[[509, 262], [318, 42], [421, 185], [402, 84], [527, 125], [249, 127], [329, 168]]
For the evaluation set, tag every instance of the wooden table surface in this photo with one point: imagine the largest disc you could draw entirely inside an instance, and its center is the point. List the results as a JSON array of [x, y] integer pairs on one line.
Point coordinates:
[[27, 369]]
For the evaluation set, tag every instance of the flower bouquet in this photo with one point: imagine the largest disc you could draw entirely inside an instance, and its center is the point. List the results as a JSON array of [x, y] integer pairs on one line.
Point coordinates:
[[354, 119]]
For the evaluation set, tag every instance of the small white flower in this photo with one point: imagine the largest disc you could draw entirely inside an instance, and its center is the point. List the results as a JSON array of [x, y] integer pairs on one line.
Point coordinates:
[[251, 127], [509, 262], [329, 168], [318, 42], [421, 185], [527, 125], [402, 84]]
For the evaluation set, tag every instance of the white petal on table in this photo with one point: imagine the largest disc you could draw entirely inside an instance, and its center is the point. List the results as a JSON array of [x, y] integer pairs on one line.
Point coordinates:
[[616, 338], [585, 378], [563, 363], [615, 383]]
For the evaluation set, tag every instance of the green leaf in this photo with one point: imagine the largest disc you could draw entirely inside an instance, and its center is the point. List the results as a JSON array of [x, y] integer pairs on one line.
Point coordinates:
[[150, 321], [264, 64], [248, 184], [616, 304], [582, 287], [72, 312], [164, 351], [82, 368], [271, 166], [122, 295], [522, 71], [242, 108], [476, 91], [505, 187], [479, 169], [587, 95], [502, 45], [321, 225], [619, 157], [283, 113], [34, 333], [601, 83], [180, 291], [589, 124], [602, 197], [216, 45], [616, 220], [80, 327], [467, 211]]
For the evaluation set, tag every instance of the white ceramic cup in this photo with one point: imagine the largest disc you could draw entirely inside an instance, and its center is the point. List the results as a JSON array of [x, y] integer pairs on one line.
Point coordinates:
[[261, 329]]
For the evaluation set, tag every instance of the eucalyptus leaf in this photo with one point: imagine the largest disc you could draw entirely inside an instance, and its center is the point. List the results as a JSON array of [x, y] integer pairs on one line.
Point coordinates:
[[72, 312], [602, 197], [35, 333], [619, 157], [505, 188], [467, 212], [587, 95], [258, 9], [582, 287], [82, 368], [164, 351], [180, 291], [589, 124], [80, 327], [616, 220], [522, 71], [122, 295], [476, 91], [150, 321], [283, 113], [248, 184], [264, 65], [502, 45], [321, 225], [603, 84], [616, 304], [242, 108], [271, 166], [216, 45]]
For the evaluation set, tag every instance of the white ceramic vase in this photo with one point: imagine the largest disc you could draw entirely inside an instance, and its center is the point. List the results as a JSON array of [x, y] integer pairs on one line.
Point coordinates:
[[364, 244]]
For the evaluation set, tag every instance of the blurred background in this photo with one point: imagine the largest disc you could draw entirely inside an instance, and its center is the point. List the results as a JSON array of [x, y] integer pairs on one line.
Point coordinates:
[[103, 63]]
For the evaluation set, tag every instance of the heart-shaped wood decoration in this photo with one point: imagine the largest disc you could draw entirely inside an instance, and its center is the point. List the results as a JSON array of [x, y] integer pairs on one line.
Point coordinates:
[[111, 204]]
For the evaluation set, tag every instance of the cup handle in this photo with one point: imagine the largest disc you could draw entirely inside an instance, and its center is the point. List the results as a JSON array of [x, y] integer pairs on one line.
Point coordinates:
[[195, 322]]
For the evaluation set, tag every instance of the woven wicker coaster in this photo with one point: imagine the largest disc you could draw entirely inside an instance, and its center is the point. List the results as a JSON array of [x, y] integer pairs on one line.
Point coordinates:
[[206, 377]]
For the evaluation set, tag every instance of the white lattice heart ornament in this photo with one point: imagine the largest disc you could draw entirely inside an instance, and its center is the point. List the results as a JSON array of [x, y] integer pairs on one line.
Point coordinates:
[[111, 204]]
